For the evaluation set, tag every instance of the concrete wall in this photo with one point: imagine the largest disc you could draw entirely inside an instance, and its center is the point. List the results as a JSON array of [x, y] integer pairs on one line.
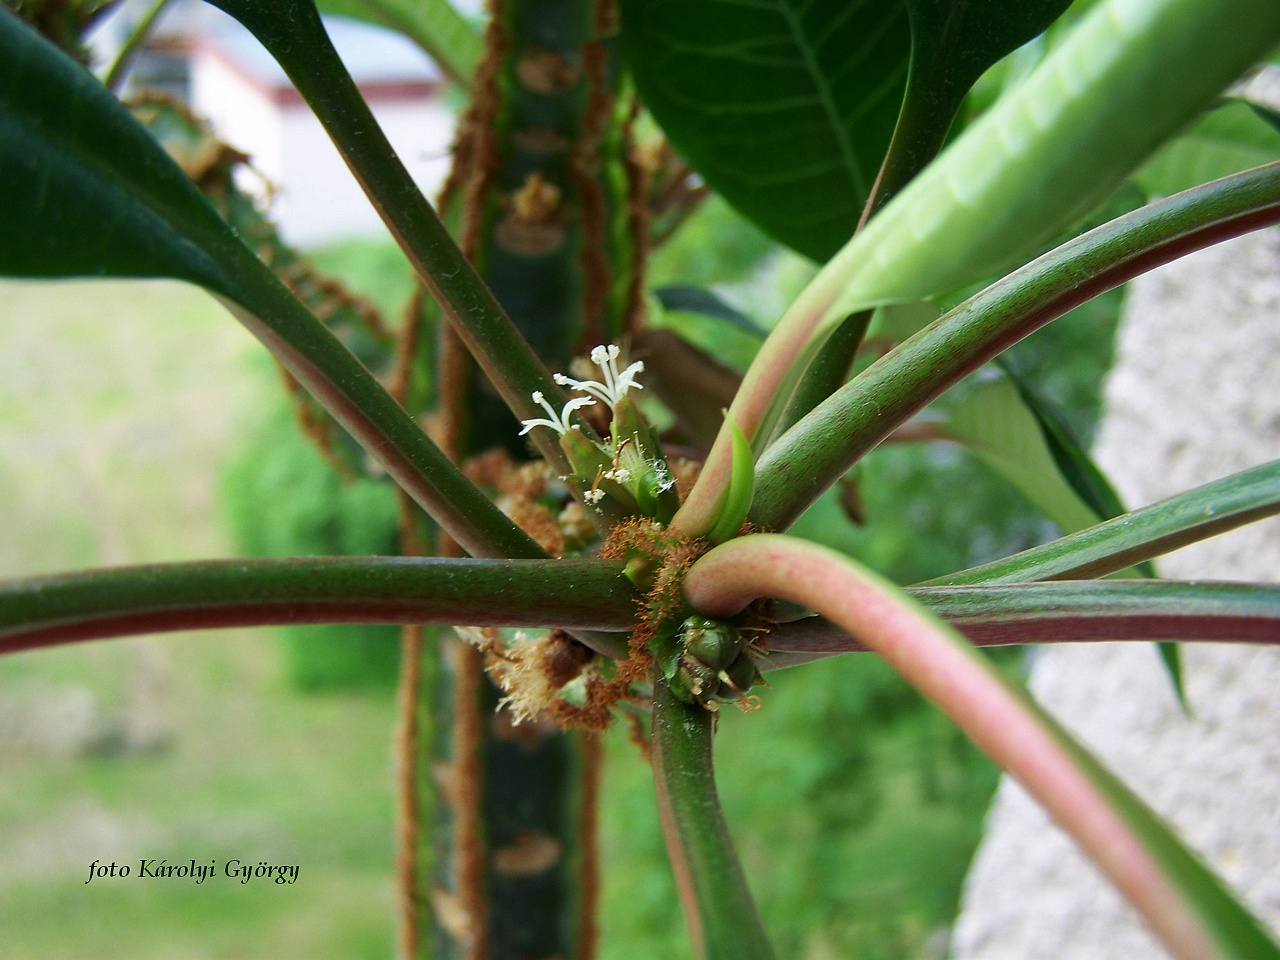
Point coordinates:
[[1195, 395]]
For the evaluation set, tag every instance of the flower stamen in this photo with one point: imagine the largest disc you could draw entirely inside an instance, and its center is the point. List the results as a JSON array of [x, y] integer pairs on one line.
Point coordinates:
[[559, 423], [615, 385]]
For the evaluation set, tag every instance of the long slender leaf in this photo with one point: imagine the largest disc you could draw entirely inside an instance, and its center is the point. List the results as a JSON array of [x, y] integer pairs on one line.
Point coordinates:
[[719, 909], [815, 453], [88, 193], [706, 302], [1131, 74], [1188, 908], [1116, 544], [582, 594]]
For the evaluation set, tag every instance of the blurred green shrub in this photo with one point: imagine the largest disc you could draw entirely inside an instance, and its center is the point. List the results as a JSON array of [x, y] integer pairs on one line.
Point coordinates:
[[282, 498]]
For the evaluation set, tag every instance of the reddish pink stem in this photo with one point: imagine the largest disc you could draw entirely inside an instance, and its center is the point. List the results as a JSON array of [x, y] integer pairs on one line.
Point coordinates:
[[1019, 736], [764, 380]]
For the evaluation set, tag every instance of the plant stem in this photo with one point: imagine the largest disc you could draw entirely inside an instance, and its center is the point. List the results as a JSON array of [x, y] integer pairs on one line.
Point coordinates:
[[1075, 612], [721, 914], [354, 398], [293, 33], [805, 461], [1185, 905], [114, 79], [237, 593], [1160, 528]]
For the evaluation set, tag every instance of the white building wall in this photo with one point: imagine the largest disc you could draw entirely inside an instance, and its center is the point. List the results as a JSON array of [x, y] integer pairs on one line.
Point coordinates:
[[242, 113], [319, 201]]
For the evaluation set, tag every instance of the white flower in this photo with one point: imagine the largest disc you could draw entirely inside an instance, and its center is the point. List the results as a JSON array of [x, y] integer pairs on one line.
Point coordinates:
[[615, 384], [560, 424]]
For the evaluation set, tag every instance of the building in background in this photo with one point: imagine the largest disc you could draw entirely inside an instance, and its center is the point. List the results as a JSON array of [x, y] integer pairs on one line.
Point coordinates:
[[205, 58]]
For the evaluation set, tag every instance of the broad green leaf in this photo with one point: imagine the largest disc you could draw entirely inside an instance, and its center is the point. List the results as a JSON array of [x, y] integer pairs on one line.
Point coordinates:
[[1024, 439], [434, 25], [952, 43], [63, 608], [1116, 544], [1187, 907], [84, 190], [1092, 487], [1075, 465], [785, 107], [1228, 140], [87, 192], [894, 322]]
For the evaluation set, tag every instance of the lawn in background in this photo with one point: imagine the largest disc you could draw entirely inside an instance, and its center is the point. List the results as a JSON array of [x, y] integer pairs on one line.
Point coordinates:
[[118, 404]]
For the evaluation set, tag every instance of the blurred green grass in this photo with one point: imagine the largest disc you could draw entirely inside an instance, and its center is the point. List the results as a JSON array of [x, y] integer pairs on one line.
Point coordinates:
[[118, 404]]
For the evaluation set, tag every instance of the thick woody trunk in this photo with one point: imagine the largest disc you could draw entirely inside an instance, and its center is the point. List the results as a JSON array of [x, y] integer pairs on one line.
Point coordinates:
[[545, 190]]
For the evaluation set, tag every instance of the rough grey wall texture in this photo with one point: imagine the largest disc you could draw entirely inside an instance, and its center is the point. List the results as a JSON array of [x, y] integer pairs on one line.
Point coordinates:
[[1195, 395]]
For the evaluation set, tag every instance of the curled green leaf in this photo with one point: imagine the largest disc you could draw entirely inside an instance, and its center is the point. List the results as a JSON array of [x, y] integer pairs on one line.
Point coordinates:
[[741, 487]]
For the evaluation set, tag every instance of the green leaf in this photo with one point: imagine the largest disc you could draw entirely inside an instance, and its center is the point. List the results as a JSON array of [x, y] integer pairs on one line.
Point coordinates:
[[700, 300], [1230, 139], [953, 42], [784, 107], [1091, 486], [1075, 465], [738, 497], [62, 608], [87, 192], [995, 424], [434, 25], [1117, 544], [84, 189], [793, 471], [1130, 75]]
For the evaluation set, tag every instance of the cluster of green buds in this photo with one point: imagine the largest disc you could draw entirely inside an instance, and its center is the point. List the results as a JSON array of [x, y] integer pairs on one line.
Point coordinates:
[[629, 468], [711, 661]]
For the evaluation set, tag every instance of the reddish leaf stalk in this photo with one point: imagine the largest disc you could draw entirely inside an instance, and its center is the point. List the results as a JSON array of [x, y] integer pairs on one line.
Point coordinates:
[[45, 611], [1074, 612], [1011, 729]]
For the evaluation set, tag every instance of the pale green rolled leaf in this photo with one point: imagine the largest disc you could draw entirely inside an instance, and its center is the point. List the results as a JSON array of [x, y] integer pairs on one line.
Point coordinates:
[[1130, 75]]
